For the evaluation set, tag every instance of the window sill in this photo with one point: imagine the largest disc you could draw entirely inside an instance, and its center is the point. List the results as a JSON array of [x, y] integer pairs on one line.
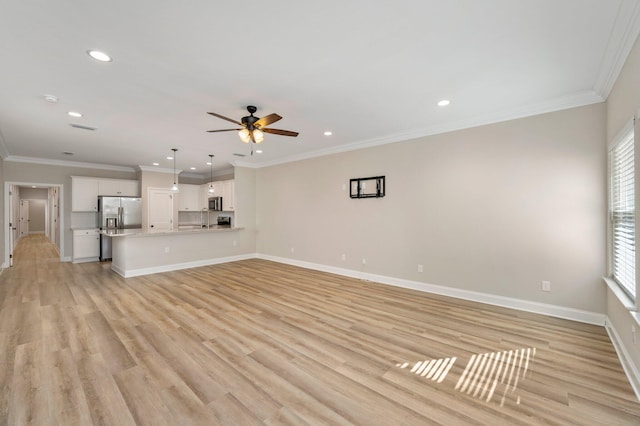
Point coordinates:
[[623, 297]]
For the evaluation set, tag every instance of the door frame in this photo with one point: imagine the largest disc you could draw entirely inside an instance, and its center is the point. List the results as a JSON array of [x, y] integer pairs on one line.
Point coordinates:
[[8, 251]]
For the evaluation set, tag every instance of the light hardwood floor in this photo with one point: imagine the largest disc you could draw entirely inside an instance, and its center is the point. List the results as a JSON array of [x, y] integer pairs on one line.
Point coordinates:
[[256, 342]]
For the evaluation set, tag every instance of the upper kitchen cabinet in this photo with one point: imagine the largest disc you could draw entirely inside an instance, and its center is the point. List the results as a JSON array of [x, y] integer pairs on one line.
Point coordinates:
[[85, 191], [119, 187], [84, 194], [189, 198]]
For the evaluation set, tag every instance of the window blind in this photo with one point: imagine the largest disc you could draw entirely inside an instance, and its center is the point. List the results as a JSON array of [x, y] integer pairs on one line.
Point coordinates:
[[622, 211]]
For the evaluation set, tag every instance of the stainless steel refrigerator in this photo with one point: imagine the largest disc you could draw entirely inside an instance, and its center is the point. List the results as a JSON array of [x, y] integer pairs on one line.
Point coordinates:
[[117, 213]]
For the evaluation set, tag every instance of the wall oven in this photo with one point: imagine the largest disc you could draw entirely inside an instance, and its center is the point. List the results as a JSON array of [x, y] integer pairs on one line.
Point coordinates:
[[215, 203]]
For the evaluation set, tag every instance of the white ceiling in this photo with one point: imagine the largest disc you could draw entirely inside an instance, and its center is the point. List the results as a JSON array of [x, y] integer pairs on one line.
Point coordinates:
[[370, 71]]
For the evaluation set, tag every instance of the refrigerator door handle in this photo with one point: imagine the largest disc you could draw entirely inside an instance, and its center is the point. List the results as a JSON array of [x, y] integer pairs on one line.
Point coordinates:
[[120, 217]]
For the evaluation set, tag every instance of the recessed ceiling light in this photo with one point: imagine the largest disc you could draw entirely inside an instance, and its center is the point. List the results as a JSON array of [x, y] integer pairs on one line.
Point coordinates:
[[328, 133], [208, 163], [156, 164], [169, 158], [258, 151], [51, 98], [33, 186], [444, 102], [74, 114], [192, 168], [99, 56]]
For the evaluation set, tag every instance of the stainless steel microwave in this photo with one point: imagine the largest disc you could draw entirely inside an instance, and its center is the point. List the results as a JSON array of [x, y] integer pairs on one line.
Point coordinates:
[[215, 203]]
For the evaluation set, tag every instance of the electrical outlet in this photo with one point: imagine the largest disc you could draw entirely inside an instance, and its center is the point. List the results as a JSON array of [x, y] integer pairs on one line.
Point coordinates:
[[546, 285], [420, 268], [293, 249], [364, 261], [167, 249], [343, 257]]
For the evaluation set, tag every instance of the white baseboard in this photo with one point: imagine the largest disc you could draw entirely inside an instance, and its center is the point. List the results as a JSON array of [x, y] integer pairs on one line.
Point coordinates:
[[627, 364], [507, 302], [178, 266]]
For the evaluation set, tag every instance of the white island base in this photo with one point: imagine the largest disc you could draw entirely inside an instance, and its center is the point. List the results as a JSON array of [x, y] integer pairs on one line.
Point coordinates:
[[135, 252]]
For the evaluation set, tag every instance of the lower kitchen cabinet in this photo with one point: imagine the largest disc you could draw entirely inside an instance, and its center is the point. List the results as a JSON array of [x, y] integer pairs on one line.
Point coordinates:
[[86, 245]]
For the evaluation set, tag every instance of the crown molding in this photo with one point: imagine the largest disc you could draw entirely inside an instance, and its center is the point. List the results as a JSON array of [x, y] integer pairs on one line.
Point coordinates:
[[156, 169], [558, 104], [626, 29], [49, 162]]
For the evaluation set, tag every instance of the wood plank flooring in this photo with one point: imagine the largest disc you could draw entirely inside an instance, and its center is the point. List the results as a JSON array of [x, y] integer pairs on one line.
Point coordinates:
[[260, 343]]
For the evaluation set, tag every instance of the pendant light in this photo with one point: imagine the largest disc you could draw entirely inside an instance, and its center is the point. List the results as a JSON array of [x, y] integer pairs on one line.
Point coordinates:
[[211, 180], [174, 188]]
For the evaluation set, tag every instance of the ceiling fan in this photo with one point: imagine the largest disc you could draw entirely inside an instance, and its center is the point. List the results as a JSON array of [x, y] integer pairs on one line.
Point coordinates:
[[253, 128]]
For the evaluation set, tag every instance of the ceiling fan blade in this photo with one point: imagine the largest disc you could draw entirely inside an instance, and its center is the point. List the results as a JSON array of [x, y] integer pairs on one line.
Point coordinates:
[[266, 120], [225, 118], [222, 130], [280, 132]]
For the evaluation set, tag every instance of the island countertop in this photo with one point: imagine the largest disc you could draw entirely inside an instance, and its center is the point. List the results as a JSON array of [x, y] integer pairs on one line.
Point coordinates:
[[144, 233]]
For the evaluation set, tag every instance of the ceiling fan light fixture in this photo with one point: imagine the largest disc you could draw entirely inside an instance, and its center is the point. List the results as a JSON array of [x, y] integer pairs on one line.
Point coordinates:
[[258, 135], [244, 135]]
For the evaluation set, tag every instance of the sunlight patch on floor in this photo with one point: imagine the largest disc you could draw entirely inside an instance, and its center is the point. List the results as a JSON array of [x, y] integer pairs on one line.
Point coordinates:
[[484, 374]]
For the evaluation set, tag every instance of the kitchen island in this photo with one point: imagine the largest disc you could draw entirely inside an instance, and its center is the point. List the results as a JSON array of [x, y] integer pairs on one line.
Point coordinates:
[[139, 252]]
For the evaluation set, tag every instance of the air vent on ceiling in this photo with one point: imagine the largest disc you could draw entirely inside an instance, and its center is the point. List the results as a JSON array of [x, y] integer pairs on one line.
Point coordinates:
[[239, 155], [80, 126]]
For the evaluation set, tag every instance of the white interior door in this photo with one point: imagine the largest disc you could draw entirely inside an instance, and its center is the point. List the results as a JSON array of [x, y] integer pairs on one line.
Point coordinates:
[[24, 218], [160, 209]]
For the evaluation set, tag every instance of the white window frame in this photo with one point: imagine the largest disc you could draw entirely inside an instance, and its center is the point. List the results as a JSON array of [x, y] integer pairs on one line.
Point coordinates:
[[622, 214]]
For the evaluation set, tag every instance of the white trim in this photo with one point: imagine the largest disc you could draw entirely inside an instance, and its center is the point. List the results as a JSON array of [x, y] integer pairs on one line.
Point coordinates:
[[177, 266], [558, 104], [622, 296], [491, 299], [622, 134], [155, 169], [626, 29], [632, 373], [50, 162]]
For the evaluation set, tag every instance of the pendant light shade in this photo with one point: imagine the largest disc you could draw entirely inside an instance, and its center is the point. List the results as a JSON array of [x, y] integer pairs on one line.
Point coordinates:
[[211, 178], [174, 188]]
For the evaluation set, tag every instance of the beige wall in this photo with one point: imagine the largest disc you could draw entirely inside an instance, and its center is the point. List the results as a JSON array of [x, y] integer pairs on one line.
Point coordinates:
[[622, 104], [494, 209]]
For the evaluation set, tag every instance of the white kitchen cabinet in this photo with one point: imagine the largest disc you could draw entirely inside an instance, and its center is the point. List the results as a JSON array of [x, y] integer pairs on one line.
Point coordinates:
[[84, 194], [228, 195], [189, 198], [86, 245], [85, 191], [119, 187]]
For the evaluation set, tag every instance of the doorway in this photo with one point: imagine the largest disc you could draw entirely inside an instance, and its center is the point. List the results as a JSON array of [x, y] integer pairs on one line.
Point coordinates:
[[19, 197]]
